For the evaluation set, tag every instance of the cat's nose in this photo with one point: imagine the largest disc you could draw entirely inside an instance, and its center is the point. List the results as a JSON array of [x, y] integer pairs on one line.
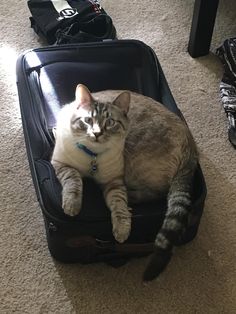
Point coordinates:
[[97, 130], [97, 134]]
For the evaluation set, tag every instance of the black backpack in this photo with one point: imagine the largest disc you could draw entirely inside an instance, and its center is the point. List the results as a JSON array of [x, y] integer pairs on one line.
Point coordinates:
[[61, 22]]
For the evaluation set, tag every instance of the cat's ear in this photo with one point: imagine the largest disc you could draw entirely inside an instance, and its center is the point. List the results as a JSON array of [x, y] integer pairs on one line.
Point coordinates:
[[123, 101], [83, 96]]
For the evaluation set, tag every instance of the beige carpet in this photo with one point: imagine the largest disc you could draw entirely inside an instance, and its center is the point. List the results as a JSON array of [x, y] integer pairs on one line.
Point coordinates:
[[202, 275]]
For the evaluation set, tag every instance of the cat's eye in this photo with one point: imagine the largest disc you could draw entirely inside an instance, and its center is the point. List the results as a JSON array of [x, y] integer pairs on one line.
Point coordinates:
[[81, 124], [88, 120], [110, 123]]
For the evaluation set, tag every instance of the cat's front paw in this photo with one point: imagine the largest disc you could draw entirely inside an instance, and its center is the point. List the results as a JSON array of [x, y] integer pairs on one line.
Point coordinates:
[[71, 204], [121, 228]]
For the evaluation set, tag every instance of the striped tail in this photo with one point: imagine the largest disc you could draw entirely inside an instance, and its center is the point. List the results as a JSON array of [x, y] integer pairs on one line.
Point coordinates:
[[179, 204]]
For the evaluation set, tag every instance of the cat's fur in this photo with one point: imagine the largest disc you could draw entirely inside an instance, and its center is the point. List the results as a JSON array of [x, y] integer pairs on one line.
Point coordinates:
[[144, 151]]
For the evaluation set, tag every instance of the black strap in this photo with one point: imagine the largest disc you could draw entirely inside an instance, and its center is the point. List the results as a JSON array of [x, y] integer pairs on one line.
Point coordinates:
[[98, 244], [81, 32]]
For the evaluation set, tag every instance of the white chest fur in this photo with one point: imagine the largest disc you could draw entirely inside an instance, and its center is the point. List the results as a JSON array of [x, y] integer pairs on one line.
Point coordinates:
[[109, 162]]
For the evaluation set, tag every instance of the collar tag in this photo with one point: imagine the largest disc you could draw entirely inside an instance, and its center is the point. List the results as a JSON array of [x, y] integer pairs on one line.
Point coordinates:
[[94, 165]]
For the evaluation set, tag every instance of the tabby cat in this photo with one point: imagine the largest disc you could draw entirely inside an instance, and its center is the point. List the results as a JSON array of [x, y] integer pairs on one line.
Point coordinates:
[[136, 150]]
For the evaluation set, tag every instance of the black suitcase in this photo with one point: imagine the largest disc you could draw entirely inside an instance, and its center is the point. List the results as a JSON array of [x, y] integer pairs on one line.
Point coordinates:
[[46, 80]]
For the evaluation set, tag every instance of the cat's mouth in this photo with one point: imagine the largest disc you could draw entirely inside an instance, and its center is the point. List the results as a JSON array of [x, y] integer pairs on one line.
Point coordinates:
[[97, 139]]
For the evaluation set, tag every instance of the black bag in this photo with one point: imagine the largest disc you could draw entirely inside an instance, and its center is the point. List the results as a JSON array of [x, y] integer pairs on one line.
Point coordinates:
[[61, 22], [227, 54], [46, 79]]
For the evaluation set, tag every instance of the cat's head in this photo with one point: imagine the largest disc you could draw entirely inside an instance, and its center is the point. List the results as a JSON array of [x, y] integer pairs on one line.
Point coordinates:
[[99, 122]]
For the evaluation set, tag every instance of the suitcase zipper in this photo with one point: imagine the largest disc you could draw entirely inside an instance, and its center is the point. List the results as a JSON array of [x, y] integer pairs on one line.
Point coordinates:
[[37, 104]]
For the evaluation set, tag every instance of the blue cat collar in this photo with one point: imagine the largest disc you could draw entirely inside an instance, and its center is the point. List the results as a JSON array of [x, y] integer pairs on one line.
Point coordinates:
[[86, 150]]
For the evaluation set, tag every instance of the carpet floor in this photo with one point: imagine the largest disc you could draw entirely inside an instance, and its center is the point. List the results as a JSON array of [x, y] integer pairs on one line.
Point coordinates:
[[201, 277]]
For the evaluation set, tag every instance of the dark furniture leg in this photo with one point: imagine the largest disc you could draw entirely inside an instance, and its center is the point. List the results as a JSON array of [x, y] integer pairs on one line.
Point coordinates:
[[202, 27]]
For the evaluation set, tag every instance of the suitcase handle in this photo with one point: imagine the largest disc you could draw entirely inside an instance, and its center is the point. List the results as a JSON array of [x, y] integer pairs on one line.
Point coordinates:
[[84, 241], [125, 247]]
